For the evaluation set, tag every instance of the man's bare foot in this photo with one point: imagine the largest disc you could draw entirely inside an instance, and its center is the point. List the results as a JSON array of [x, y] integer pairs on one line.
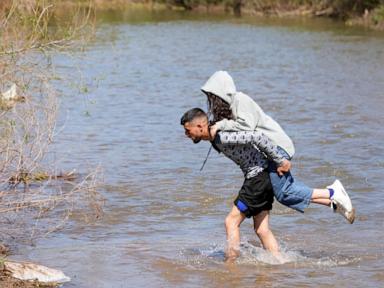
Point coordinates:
[[231, 255]]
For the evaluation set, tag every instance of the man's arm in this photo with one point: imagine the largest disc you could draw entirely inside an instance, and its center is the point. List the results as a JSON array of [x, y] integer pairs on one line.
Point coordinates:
[[262, 142]]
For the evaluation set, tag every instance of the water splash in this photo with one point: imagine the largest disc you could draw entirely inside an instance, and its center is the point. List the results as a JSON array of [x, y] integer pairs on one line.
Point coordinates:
[[214, 254], [250, 254]]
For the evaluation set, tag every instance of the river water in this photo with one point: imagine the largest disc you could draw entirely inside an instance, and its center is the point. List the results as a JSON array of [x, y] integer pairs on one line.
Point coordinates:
[[163, 223]]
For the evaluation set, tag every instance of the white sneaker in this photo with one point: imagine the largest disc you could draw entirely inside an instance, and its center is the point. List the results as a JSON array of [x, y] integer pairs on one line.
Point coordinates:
[[340, 202]]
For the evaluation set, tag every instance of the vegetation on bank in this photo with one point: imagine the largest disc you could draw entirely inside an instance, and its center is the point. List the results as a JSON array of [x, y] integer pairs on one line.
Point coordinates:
[[355, 12], [36, 197]]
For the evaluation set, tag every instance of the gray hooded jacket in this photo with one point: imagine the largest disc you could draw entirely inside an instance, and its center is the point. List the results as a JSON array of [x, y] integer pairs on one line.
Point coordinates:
[[249, 116]]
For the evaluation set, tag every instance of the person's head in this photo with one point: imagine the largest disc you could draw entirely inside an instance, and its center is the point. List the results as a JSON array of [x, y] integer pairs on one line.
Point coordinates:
[[220, 90], [195, 122], [218, 108]]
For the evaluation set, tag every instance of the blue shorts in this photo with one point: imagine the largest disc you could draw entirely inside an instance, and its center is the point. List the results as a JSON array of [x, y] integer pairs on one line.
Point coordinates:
[[289, 192]]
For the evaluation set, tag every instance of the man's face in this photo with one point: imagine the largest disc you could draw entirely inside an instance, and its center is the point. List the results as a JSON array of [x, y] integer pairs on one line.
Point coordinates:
[[194, 130]]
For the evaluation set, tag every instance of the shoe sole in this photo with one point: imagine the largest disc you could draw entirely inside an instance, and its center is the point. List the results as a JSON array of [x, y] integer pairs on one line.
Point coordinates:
[[349, 215]]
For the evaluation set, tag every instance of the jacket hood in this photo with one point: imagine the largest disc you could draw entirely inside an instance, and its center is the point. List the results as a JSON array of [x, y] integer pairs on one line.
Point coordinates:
[[222, 85]]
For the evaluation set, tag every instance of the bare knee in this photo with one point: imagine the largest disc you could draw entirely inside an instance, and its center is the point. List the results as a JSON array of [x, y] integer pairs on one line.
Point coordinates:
[[262, 231]]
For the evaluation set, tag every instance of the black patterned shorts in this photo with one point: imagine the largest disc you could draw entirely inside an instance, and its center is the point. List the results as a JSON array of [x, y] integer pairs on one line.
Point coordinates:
[[255, 195]]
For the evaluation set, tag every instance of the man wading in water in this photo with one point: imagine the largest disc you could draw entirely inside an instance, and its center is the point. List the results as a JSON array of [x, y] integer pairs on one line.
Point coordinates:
[[251, 150], [256, 195]]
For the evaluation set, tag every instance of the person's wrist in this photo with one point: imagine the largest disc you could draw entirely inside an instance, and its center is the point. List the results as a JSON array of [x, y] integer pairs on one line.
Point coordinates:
[[212, 132]]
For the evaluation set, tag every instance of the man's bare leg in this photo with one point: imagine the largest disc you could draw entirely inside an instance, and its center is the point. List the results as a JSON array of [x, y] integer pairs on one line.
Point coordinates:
[[261, 226], [232, 226]]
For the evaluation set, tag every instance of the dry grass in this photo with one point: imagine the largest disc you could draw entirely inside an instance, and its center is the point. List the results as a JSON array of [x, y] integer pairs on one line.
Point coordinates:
[[31, 189]]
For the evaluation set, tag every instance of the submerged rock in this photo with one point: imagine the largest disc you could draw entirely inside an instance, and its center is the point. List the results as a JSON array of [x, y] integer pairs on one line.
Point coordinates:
[[9, 98]]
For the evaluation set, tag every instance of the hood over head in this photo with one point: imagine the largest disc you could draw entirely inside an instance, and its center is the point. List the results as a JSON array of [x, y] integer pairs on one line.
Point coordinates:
[[221, 84]]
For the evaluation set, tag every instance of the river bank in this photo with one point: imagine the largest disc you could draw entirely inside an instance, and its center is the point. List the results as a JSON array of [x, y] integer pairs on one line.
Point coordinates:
[[6, 281], [32, 207], [369, 14]]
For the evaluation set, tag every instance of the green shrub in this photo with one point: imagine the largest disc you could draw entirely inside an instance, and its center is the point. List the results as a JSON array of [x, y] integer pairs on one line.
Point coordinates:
[[378, 15]]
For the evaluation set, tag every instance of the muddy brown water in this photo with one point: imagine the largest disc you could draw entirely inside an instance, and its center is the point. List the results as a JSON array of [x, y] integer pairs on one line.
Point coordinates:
[[163, 223]]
